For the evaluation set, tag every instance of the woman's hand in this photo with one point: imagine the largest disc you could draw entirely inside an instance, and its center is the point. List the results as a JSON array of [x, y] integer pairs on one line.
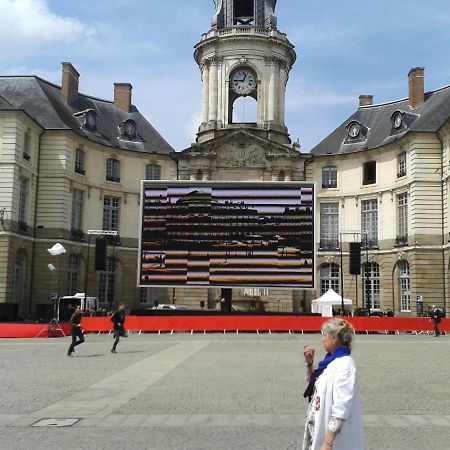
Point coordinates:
[[325, 446], [308, 353]]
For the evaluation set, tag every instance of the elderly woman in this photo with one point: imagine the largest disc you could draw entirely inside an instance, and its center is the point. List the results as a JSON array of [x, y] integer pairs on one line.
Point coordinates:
[[333, 419]]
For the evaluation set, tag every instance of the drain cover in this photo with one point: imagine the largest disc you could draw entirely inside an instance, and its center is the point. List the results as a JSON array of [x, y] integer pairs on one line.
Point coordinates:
[[55, 422]]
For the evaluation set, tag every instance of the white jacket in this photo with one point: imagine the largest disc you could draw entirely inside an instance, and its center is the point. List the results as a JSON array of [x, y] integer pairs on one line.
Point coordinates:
[[337, 389]]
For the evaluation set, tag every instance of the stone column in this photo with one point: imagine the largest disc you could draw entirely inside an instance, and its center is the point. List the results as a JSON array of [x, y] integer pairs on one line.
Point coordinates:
[[213, 90], [205, 93], [273, 89], [282, 91]]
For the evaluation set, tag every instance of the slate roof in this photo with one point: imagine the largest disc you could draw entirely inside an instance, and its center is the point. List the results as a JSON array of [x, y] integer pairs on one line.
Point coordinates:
[[42, 101], [429, 118]]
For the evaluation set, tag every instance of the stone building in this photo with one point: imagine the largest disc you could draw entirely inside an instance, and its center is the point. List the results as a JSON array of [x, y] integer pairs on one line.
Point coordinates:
[[70, 163], [384, 172]]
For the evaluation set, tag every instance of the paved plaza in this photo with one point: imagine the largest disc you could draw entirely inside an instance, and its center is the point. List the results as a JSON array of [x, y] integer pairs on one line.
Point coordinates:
[[212, 392]]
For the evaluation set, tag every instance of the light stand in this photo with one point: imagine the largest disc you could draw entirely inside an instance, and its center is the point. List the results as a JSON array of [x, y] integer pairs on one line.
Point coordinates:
[[54, 326]]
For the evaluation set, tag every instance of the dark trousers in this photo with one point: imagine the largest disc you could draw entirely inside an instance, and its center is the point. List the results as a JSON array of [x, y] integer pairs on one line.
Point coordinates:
[[436, 328], [116, 339], [76, 333]]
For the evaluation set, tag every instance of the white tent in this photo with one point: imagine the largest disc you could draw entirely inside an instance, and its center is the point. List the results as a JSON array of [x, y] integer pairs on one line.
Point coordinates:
[[325, 303]]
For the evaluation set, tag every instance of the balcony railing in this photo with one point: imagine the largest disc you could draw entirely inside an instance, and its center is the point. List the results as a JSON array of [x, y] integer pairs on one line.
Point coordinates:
[[369, 243], [329, 244], [401, 240], [113, 178], [76, 235]]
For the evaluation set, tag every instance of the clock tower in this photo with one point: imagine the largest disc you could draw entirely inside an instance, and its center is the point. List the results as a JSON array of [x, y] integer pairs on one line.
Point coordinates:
[[243, 57]]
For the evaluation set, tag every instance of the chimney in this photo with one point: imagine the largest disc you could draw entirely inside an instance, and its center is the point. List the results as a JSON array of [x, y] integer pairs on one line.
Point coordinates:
[[416, 87], [365, 100], [69, 84], [122, 96]]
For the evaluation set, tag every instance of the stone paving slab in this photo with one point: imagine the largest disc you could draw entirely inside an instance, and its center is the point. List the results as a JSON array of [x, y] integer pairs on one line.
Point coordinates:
[[213, 392]]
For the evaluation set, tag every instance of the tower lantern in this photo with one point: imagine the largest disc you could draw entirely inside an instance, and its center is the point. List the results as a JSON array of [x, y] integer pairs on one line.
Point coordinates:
[[243, 57]]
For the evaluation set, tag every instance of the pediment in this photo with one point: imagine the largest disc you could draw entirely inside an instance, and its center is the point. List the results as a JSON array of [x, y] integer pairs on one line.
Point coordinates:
[[240, 149]]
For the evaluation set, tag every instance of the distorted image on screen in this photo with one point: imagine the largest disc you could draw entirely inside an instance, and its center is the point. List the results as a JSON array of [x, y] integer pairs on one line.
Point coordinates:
[[227, 234]]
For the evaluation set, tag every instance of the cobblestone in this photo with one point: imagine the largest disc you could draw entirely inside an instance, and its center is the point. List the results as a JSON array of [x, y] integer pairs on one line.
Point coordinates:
[[213, 392]]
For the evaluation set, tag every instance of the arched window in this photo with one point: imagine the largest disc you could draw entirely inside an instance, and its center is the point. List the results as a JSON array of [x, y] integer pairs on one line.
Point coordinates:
[[404, 286], [152, 172], [18, 276], [107, 282], [371, 274], [329, 278], [243, 12], [73, 274], [244, 110]]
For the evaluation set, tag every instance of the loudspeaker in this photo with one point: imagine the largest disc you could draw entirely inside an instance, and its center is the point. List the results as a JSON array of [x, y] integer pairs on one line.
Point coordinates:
[[355, 258], [202, 304], [100, 254]]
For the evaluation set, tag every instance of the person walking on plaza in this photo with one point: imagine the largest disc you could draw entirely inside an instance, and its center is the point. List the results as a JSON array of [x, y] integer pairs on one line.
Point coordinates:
[[333, 419], [76, 331], [435, 315], [119, 330]]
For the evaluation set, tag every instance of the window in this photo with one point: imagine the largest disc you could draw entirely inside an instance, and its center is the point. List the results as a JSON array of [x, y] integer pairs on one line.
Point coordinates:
[[404, 286], [18, 277], [402, 219], [329, 177], [77, 210], [152, 172], [370, 172], [401, 165], [111, 213], [329, 278], [26, 145], [79, 161], [129, 130], [329, 226], [149, 296], [243, 12], [369, 223], [107, 280], [22, 207], [371, 273], [73, 274], [113, 170]]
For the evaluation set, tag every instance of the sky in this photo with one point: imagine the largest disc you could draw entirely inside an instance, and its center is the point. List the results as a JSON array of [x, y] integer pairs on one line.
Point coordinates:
[[344, 49]]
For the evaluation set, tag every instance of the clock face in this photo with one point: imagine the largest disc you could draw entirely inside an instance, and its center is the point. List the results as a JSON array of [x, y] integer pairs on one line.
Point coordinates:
[[353, 131], [243, 81], [398, 118]]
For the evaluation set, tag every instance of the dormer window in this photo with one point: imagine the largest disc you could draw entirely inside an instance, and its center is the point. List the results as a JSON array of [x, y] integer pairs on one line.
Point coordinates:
[[397, 119], [88, 119], [356, 132], [354, 129], [129, 129]]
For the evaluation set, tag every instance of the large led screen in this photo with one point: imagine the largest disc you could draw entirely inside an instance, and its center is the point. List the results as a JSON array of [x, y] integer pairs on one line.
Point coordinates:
[[227, 234]]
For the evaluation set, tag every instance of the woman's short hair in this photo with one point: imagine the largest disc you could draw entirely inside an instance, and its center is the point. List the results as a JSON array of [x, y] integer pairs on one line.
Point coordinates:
[[339, 328]]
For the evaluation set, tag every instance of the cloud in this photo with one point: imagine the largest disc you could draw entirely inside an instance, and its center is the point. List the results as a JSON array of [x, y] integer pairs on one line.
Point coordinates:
[[31, 26]]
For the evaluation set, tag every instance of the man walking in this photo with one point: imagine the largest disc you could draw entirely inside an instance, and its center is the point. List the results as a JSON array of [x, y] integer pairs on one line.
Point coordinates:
[[75, 323], [119, 330], [435, 314]]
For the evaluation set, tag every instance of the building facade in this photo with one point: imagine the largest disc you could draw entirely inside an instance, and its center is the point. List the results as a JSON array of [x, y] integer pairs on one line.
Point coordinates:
[[70, 163]]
